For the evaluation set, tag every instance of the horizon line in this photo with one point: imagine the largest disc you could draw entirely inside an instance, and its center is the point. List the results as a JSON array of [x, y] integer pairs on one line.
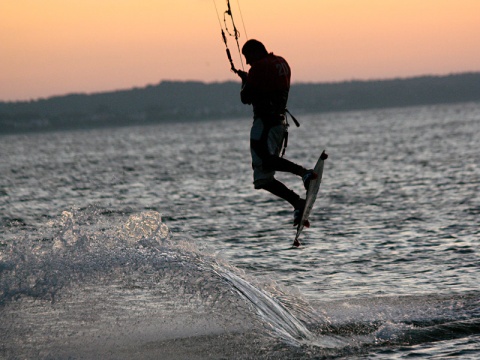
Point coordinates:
[[86, 93]]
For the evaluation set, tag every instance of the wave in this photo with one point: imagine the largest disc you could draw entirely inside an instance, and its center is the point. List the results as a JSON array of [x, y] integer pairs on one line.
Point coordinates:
[[98, 283]]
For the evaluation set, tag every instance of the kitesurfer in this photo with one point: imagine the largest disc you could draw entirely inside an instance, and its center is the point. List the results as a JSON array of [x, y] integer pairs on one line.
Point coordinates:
[[266, 87]]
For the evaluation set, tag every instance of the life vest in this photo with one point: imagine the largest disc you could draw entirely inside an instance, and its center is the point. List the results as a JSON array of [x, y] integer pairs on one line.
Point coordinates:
[[267, 86]]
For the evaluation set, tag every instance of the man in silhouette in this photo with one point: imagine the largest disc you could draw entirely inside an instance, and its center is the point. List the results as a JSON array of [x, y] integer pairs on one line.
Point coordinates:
[[266, 87]]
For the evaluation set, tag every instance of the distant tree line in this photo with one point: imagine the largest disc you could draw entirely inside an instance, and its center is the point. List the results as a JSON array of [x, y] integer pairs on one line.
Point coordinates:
[[192, 101]]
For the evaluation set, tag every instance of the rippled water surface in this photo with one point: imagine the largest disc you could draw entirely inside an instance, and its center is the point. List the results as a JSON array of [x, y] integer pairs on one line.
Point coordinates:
[[148, 241]]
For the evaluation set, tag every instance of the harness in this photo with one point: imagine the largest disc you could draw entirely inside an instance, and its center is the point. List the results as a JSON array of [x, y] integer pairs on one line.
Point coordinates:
[[285, 138]]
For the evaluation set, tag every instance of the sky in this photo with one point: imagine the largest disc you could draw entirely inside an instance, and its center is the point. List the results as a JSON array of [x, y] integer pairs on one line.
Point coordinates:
[[57, 47]]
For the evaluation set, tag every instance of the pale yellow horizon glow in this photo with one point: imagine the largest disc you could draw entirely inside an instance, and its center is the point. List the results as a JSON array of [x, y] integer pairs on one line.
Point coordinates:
[[56, 47]]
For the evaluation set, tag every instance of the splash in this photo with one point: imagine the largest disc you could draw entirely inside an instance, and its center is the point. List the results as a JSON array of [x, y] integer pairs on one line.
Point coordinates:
[[278, 318], [146, 225], [124, 284], [96, 276]]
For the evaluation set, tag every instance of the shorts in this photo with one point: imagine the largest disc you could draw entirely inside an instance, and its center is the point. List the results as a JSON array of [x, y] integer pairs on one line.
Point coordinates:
[[266, 141]]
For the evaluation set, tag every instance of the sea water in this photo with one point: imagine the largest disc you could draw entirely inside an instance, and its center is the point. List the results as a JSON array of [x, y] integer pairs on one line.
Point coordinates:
[[150, 242]]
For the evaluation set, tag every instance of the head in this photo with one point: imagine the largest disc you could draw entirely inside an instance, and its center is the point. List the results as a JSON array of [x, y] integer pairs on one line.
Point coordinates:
[[254, 50]]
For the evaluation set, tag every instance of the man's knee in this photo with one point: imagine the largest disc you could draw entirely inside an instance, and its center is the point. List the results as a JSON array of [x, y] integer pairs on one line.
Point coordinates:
[[270, 162], [263, 183]]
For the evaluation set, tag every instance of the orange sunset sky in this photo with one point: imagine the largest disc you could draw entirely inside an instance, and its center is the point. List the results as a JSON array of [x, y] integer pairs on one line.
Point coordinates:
[[55, 47]]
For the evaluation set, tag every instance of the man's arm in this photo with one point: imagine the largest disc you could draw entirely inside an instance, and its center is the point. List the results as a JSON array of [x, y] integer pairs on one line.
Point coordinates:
[[243, 75], [245, 93]]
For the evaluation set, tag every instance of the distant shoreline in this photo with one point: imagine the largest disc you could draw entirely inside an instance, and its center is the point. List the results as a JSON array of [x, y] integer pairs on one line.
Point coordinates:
[[190, 100]]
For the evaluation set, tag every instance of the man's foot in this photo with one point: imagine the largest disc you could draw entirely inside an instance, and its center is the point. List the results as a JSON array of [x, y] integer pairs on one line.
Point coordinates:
[[298, 212], [324, 155], [297, 216], [309, 175]]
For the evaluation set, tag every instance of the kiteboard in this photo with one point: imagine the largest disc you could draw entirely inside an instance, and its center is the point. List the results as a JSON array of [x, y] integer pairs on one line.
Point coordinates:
[[312, 192]]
